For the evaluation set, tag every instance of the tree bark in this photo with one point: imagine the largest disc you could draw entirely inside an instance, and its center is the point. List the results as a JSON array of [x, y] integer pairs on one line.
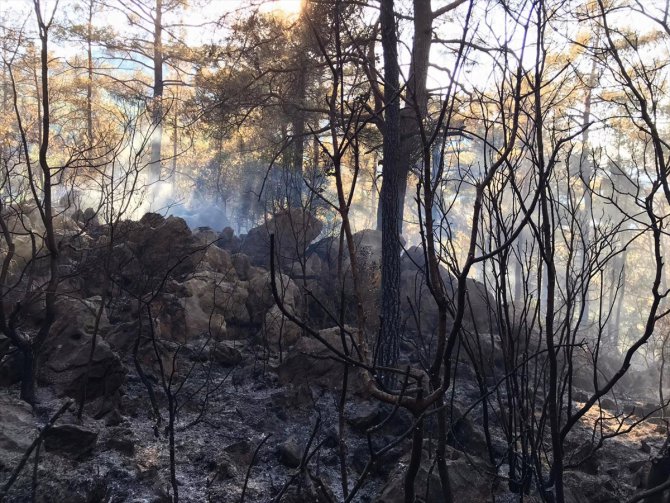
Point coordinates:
[[89, 82], [389, 197], [416, 98], [157, 106]]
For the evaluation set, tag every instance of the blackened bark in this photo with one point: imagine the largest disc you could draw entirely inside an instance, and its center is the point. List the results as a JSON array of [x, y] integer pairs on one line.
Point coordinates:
[[389, 200], [157, 110], [416, 97], [46, 213], [298, 127], [89, 82]]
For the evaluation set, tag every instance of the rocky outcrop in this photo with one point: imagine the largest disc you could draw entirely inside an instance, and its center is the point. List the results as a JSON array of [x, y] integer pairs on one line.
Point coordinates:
[[279, 331], [293, 229], [152, 249], [203, 301], [311, 362], [241, 370], [419, 310], [423, 307], [260, 298], [218, 260], [67, 351]]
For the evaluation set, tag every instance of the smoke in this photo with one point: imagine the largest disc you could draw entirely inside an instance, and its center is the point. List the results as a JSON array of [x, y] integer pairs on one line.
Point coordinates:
[[201, 213]]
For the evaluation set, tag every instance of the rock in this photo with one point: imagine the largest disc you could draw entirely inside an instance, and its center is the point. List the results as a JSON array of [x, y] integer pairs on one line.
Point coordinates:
[[465, 436], [649, 410], [229, 241], [232, 300], [322, 265], [332, 438], [278, 330], [216, 259], [80, 489], [362, 415], [113, 417], [67, 351], [242, 451], [17, 429], [242, 265], [580, 396], [225, 468], [170, 318], [122, 440], [206, 235], [152, 248], [291, 398], [308, 489], [290, 453], [225, 353], [152, 220], [87, 219], [326, 250], [5, 345], [105, 407], [293, 229], [260, 298], [584, 488], [397, 421], [11, 361], [211, 304], [584, 457], [65, 227], [121, 336], [468, 479], [310, 362], [427, 485], [608, 403], [314, 266], [368, 244], [70, 440], [414, 287]]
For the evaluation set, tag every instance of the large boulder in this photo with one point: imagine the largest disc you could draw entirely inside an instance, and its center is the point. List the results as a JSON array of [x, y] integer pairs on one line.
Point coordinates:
[[321, 272], [147, 251], [225, 353], [312, 362], [10, 363], [229, 241], [170, 317], [260, 298], [206, 235], [584, 488], [70, 440], [86, 219], [68, 347], [218, 260], [417, 301], [419, 304], [17, 430], [278, 330], [211, 303], [468, 478], [293, 229]]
